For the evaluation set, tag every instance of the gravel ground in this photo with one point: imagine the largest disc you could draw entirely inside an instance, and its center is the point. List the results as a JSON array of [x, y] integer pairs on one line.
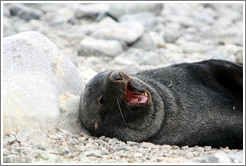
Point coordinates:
[[155, 35], [64, 147]]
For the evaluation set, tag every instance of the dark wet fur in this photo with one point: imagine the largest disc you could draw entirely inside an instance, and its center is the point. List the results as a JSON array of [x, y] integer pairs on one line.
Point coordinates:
[[192, 104]]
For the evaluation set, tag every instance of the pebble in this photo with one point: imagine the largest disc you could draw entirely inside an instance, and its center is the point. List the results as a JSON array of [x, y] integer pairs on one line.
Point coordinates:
[[97, 47], [92, 154], [24, 12], [145, 43], [33, 136], [148, 20], [119, 9], [90, 10], [126, 31], [14, 159], [63, 151]]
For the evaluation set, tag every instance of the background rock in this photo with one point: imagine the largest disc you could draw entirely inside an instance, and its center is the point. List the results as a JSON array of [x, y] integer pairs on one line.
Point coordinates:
[[125, 31], [119, 9], [97, 47]]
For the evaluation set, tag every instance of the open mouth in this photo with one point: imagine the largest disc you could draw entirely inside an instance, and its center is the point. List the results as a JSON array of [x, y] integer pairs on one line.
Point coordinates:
[[134, 96]]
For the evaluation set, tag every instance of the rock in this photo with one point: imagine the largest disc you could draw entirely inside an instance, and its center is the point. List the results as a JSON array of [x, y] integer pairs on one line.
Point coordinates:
[[8, 28], [119, 9], [147, 145], [148, 20], [125, 31], [132, 143], [32, 136], [15, 159], [87, 73], [145, 43], [92, 154], [139, 57], [170, 36], [63, 151], [226, 10], [24, 12], [6, 11], [219, 157], [158, 41], [107, 22], [62, 15], [90, 10], [97, 47], [190, 47], [69, 117], [152, 58], [42, 155], [35, 75], [207, 148]]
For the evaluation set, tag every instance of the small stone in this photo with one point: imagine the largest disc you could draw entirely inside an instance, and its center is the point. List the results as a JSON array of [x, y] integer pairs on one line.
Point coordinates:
[[184, 147], [175, 147], [138, 155], [90, 10], [119, 9], [170, 36], [147, 145], [124, 148], [199, 149], [15, 159], [126, 32], [92, 154], [189, 155], [24, 12], [166, 147], [132, 143], [148, 20], [97, 47], [32, 136], [63, 151], [145, 43], [6, 11], [157, 39], [63, 15], [42, 155]]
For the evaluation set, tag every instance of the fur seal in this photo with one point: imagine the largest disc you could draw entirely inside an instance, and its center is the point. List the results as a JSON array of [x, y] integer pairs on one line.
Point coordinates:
[[190, 104]]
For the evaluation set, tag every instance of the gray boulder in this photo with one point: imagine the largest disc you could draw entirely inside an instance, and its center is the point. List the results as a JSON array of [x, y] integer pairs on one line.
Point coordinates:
[[36, 76]]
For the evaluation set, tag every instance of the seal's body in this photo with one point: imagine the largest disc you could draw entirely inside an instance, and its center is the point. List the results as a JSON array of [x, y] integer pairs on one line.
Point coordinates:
[[184, 104]]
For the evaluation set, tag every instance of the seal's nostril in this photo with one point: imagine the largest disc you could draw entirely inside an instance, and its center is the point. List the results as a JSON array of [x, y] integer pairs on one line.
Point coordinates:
[[115, 76]]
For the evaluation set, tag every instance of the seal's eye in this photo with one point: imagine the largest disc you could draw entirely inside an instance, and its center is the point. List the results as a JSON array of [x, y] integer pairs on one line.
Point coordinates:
[[101, 101]]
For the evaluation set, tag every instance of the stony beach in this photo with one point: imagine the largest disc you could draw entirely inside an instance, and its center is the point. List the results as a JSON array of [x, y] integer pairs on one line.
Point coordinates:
[[103, 36]]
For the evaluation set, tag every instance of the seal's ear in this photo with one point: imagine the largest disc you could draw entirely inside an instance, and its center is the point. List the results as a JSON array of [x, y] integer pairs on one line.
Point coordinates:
[[227, 74]]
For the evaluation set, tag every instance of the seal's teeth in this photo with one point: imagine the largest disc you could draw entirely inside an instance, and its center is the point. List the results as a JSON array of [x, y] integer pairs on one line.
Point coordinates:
[[96, 124], [145, 94]]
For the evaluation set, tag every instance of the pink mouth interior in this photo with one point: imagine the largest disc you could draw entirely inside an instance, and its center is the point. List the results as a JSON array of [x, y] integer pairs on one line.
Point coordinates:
[[133, 97]]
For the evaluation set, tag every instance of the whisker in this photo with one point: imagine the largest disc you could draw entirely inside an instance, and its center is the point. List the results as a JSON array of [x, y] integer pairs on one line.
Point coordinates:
[[121, 112]]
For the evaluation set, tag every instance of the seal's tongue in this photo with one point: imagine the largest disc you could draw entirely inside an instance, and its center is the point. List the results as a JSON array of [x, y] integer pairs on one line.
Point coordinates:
[[133, 97]]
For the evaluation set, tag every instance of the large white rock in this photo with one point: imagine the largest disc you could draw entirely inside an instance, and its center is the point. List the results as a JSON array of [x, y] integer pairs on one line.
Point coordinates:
[[36, 76]]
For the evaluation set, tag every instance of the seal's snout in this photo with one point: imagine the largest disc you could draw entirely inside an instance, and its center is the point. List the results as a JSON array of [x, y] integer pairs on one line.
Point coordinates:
[[116, 76]]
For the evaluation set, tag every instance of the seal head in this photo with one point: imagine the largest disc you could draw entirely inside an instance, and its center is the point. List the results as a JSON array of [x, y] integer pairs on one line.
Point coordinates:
[[115, 103]]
